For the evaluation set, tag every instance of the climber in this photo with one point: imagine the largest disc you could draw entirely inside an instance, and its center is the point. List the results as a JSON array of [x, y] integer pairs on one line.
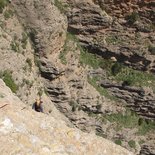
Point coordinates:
[[37, 106]]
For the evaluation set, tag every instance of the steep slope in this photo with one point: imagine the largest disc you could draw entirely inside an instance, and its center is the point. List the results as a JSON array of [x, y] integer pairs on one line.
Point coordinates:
[[54, 63], [24, 131]]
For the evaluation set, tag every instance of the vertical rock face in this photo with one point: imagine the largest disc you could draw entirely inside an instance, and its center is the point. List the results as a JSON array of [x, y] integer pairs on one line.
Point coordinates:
[[40, 18], [140, 100], [44, 135]]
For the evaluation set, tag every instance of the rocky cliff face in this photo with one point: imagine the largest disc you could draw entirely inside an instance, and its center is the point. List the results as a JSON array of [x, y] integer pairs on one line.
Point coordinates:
[[24, 131], [46, 58], [124, 31]]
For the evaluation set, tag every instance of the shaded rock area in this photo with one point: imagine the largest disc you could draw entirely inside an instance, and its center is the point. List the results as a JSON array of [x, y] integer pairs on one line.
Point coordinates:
[[141, 100], [128, 43], [87, 19], [146, 150], [44, 135], [48, 70]]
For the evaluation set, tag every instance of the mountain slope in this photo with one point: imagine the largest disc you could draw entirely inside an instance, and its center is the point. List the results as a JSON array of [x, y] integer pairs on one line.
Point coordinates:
[[24, 131]]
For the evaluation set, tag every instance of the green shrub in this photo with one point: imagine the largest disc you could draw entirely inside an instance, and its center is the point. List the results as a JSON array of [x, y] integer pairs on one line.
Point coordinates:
[[127, 82], [8, 14], [24, 40], [116, 68], [98, 107], [101, 134], [74, 105], [118, 142], [132, 144], [14, 46], [151, 49], [29, 62], [3, 3], [27, 82], [7, 78], [132, 18], [140, 121]]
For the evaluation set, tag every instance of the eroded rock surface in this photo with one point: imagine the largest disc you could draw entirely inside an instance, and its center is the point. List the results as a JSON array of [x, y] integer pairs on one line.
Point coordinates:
[[141, 100], [24, 131], [63, 76], [102, 31]]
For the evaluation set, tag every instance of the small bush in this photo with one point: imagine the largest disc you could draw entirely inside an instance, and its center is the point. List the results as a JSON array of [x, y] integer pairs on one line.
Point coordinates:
[[27, 82], [140, 121], [116, 68], [14, 46], [151, 49], [7, 78], [24, 40], [8, 14], [132, 144], [74, 105], [132, 18], [3, 3], [29, 62], [98, 107], [118, 142], [127, 82]]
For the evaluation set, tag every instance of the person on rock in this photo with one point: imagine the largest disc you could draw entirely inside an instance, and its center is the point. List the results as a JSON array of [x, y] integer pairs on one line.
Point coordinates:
[[37, 106]]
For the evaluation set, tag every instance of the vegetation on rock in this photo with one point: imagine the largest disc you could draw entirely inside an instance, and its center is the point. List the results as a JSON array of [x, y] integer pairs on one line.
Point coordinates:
[[3, 3], [9, 81]]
